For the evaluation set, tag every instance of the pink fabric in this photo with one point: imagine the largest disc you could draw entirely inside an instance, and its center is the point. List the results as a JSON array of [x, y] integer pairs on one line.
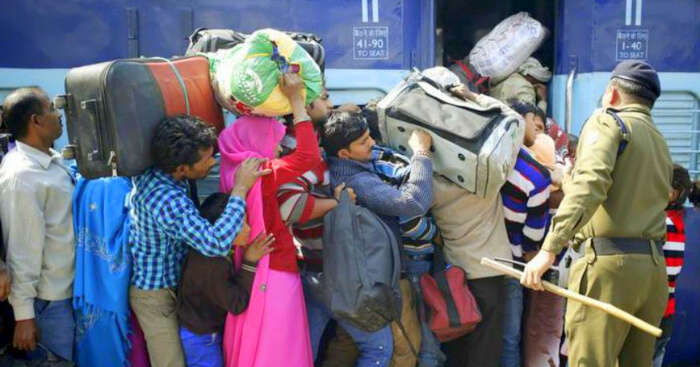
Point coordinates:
[[273, 331], [138, 355], [544, 324]]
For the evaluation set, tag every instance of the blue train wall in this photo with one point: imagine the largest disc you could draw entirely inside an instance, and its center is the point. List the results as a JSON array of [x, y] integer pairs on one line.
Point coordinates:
[[370, 45], [592, 37]]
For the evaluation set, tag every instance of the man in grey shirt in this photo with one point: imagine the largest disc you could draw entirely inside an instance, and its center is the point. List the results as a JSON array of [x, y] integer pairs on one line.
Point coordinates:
[[37, 220]]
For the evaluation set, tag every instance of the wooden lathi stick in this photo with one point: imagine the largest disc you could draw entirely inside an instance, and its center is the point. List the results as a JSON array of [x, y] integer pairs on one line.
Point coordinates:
[[606, 307]]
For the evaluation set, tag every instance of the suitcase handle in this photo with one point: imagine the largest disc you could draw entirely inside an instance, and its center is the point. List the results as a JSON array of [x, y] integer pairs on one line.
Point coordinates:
[[94, 107]]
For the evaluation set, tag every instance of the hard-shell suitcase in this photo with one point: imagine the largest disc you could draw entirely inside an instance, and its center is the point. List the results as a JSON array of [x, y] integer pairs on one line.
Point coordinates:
[[475, 147], [211, 40], [112, 109]]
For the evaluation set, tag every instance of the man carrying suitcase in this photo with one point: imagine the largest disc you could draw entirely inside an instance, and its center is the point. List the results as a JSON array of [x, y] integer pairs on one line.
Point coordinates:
[[614, 208], [165, 222], [36, 214]]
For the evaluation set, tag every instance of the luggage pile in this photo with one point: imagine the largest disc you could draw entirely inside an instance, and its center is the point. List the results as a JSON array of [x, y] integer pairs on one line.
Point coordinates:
[[112, 108]]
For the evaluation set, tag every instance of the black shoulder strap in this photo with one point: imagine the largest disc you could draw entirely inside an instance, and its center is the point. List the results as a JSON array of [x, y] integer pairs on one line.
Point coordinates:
[[623, 129]]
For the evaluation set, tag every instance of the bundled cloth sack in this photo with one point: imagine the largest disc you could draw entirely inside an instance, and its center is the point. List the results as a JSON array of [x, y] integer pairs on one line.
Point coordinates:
[[245, 78], [205, 40], [507, 46], [475, 145]]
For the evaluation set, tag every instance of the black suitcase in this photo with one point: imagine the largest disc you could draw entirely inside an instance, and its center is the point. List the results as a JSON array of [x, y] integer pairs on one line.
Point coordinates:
[[112, 109], [211, 40]]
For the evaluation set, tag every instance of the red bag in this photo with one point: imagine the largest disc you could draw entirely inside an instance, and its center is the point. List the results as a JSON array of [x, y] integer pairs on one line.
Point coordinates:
[[478, 83], [453, 311]]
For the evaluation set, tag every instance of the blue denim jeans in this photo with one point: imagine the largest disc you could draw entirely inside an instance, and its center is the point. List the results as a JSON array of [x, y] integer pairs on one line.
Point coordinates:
[[56, 325], [375, 348], [201, 350], [512, 323]]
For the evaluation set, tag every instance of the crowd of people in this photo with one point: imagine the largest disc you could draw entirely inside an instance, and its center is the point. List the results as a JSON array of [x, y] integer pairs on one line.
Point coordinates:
[[229, 282]]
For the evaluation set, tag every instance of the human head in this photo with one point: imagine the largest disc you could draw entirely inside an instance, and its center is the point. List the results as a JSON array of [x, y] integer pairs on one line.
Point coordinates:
[[212, 208], [694, 194], [346, 135], [534, 119], [680, 187], [544, 150], [183, 146], [30, 116], [632, 82], [320, 109]]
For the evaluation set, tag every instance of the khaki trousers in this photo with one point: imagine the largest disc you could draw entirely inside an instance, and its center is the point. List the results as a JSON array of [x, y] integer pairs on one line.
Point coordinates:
[[635, 283], [155, 311]]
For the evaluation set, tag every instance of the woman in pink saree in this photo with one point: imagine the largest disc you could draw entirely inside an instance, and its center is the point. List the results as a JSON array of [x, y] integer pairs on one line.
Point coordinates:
[[273, 331]]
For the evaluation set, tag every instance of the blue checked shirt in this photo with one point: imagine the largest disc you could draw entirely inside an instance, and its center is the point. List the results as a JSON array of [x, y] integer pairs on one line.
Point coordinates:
[[165, 221]]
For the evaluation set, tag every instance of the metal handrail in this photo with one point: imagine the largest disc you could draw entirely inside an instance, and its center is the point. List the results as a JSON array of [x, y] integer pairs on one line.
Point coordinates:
[[569, 100]]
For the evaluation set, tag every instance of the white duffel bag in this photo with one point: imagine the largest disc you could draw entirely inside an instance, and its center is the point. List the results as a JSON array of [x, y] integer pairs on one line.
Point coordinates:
[[507, 46]]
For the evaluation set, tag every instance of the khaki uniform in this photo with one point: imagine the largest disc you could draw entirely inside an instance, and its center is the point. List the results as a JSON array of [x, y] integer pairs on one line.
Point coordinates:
[[516, 87], [615, 197]]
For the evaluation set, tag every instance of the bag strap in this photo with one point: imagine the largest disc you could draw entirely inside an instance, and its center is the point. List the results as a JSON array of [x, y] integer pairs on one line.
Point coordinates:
[[479, 83], [440, 276], [408, 340], [623, 129]]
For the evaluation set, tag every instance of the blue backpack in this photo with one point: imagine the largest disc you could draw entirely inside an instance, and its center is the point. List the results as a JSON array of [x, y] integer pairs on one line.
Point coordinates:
[[362, 267]]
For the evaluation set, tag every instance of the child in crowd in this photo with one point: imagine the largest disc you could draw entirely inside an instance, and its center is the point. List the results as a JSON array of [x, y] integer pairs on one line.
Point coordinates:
[[210, 287], [674, 250]]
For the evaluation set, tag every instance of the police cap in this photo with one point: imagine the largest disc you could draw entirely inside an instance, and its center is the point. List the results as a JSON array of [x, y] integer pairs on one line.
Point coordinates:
[[639, 72]]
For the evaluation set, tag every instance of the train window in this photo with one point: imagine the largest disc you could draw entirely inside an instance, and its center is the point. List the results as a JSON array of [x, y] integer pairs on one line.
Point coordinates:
[[677, 114]]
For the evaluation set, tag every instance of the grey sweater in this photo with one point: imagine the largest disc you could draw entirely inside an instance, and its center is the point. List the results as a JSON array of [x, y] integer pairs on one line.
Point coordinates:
[[411, 199]]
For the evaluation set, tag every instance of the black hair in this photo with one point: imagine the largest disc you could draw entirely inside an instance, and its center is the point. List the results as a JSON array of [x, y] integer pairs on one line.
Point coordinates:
[[681, 182], [694, 194], [523, 108], [18, 108], [213, 206], [341, 130], [635, 91], [178, 140]]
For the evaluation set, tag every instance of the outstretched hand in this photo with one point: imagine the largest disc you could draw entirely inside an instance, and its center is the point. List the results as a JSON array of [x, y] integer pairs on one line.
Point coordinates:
[[261, 246]]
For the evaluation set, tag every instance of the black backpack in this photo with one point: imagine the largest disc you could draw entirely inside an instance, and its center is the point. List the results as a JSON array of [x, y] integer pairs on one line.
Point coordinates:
[[361, 265], [211, 40]]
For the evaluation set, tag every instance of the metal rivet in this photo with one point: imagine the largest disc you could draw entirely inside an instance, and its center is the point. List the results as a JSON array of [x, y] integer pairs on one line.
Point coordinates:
[[461, 156], [401, 129], [263, 287], [460, 178]]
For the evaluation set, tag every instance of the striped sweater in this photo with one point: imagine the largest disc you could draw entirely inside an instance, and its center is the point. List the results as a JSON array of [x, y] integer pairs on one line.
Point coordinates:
[[674, 249], [526, 204]]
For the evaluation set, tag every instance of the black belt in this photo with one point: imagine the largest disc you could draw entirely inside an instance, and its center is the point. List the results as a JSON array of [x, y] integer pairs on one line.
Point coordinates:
[[616, 246]]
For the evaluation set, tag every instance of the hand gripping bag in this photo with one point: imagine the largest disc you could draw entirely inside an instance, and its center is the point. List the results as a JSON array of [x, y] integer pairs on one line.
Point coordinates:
[[474, 146], [507, 46], [245, 78]]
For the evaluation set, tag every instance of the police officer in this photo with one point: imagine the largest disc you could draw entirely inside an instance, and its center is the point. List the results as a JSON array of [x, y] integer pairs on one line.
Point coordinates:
[[613, 213]]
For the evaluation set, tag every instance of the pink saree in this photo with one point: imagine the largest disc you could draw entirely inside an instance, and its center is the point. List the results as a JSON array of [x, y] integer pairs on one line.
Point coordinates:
[[274, 330]]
